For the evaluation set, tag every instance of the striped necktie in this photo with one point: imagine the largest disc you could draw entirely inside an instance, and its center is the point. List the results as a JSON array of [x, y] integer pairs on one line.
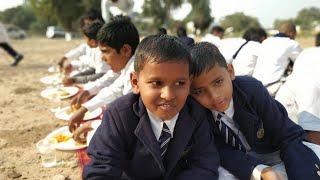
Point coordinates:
[[229, 136], [164, 139]]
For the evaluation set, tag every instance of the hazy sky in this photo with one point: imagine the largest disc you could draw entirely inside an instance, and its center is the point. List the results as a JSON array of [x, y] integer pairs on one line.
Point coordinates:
[[265, 10]]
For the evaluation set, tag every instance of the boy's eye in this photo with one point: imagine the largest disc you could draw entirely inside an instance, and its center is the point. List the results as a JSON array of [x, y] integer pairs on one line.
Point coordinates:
[[156, 83], [180, 83], [218, 82], [197, 92]]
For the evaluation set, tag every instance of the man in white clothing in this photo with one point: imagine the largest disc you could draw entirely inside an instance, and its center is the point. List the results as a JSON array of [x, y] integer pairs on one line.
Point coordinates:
[[214, 36], [275, 55]]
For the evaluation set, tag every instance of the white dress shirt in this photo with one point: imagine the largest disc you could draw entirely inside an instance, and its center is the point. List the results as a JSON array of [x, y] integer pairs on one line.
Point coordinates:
[[246, 59], [273, 58], [300, 94], [228, 47], [227, 119], [118, 88], [211, 39], [75, 53], [157, 124]]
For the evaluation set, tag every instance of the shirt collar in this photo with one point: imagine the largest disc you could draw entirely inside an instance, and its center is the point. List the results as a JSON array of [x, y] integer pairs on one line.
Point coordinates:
[[157, 123], [127, 67], [229, 112]]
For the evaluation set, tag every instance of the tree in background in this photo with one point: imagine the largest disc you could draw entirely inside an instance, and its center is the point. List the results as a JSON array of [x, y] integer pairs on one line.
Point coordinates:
[[21, 16], [308, 18], [239, 22], [201, 20]]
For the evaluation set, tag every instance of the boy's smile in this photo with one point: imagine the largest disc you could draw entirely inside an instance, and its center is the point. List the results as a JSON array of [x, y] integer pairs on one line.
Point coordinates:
[[163, 87], [213, 88]]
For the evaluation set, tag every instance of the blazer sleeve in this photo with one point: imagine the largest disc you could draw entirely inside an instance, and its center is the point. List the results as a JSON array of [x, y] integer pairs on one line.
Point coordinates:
[[204, 157], [106, 150], [238, 162], [300, 161]]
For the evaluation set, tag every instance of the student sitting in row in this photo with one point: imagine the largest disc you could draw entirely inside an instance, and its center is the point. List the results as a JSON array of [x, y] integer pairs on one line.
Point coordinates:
[[74, 54], [158, 132], [252, 131], [96, 66], [300, 94], [275, 55], [118, 40]]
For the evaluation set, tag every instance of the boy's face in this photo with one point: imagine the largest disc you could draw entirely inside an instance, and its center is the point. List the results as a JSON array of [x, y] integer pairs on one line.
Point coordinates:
[[91, 42], [117, 61], [213, 89], [163, 87]]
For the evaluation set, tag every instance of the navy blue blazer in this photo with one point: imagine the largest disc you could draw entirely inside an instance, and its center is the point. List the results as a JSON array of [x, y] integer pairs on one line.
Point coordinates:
[[125, 142], [267, 128]]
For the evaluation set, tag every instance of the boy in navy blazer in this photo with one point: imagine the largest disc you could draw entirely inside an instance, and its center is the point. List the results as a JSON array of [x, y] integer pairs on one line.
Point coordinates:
[[252, 130], [157, 132]]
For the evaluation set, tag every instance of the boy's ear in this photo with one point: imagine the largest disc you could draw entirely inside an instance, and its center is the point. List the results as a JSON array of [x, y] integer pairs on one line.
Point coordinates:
[[134, 82], [231, 71], [126, 50]]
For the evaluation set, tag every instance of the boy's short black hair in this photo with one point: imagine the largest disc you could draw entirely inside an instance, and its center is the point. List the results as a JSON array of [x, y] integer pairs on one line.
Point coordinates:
[[204, 56], [92, 15], [318, 39], [162, 31], [91, 30], [217, 29], [119, 31], [161, 48], [181, 31]]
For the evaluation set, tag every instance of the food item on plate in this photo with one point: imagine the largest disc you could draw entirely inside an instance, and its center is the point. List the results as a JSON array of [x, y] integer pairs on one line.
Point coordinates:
[[63, 92], [72, 109], [60, 138]]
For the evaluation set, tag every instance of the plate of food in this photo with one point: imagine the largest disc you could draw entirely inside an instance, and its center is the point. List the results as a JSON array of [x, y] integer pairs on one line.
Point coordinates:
[[52, 79], [66, 113], [62, 139], [61, 93]]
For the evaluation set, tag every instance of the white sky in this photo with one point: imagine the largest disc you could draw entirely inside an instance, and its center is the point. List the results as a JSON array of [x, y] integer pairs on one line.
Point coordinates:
[[265, 10]]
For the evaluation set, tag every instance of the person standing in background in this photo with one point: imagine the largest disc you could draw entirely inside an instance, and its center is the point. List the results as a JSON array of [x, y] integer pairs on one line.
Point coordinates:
[[4, 44]]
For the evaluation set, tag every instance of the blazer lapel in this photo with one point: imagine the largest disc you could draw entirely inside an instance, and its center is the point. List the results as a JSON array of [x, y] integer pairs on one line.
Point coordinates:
[[181, 136], [145, 134], [241, 116]]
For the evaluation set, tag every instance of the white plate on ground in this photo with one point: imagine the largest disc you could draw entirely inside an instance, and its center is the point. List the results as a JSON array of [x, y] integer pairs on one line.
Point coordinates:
[[66, 113], [51, 79], [68, 145], [62, 93]]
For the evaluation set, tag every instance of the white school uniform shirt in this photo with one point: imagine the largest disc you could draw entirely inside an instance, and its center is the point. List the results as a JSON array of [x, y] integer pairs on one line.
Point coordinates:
[[157, 124], [3, 34], [273, 58], [118, 88], [82, 62], [300, 94], [228, 47], [76, 52], [211, 39], [227, 119], [246, 59]]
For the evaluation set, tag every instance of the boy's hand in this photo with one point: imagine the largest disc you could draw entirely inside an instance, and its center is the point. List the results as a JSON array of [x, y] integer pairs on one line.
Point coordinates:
[[76, 119], [314, 137], [80, 134], [271, 174], [62, 61], [67, 69], [81, 98], [68, 81]]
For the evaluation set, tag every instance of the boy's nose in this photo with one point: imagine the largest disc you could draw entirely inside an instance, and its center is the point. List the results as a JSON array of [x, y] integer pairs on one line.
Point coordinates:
[[167, 93]]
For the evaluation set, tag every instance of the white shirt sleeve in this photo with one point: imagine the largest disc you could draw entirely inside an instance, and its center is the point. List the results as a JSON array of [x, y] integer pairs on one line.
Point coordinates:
[[256, 173], [76, 52], [295, 50], [106, 80]]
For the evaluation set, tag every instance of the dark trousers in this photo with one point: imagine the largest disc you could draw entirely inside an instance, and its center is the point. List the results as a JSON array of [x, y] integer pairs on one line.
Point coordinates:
[[9, 49]]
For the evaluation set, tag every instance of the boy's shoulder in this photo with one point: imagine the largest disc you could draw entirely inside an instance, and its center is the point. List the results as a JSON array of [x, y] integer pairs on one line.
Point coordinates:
[[124, 102], [248, 86], [195, 110]]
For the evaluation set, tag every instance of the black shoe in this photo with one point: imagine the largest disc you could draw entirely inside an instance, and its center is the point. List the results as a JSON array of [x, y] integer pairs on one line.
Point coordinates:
[[17, 59]]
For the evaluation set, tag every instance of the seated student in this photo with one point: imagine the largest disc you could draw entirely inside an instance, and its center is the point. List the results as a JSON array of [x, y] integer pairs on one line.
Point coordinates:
[[162, 31], [118, 40], [245, 58], [96, 66], [80, 50], [252, 131], [183, 37], [157, 132], [300, 94], [214, 36], [275, 55]]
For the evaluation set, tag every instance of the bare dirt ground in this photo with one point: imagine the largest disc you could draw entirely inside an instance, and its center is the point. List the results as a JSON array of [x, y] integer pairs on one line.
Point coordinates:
[[25, 117]]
